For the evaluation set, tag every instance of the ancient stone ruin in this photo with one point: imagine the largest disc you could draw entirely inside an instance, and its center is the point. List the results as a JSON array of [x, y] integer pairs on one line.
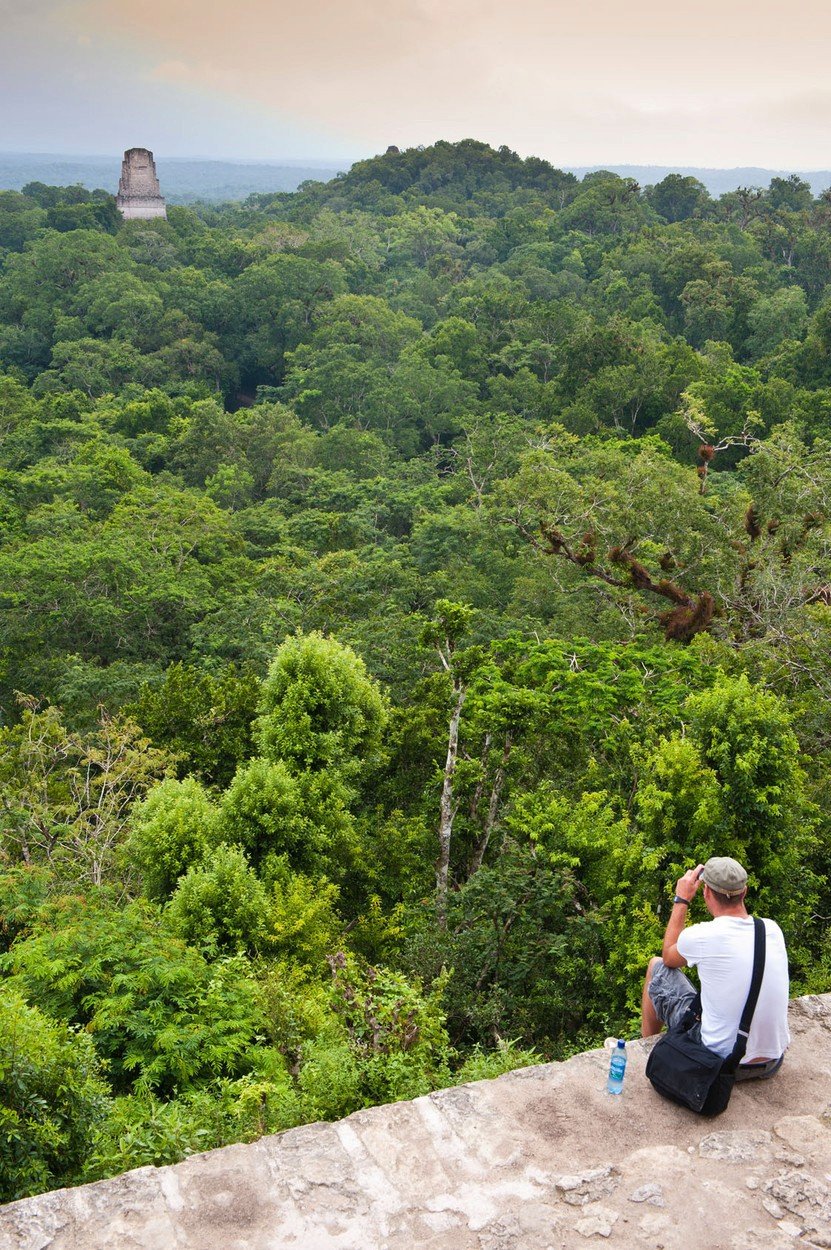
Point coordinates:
[[540, 1159], [138, 187]]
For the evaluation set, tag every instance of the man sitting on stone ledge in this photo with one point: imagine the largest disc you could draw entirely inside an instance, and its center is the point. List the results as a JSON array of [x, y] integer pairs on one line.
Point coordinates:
[[722, 950]]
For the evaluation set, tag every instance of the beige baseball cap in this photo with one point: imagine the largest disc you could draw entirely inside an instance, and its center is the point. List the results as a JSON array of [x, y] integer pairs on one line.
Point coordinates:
[[725, 875]]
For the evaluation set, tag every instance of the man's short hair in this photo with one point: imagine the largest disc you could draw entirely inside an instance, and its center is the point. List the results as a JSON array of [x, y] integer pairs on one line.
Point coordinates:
[[727, 900]]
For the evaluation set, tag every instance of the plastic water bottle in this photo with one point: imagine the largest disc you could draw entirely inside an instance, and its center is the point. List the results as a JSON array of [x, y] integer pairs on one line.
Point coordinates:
[[617, 1068]]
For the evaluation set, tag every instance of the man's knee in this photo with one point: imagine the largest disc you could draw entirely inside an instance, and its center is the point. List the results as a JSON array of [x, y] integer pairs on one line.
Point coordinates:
[[651, 966]]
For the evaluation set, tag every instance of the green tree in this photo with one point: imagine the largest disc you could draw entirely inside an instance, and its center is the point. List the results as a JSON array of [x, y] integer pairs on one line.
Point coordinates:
[[395, 1029], [204, 719], [521, 939], [93, 366], [274, 305], [261, 811], [736, 786], [443, 633], [219, 905], [170, 832], [747, 739], [791, 193], [677, 197], [52, 1100], [320, 710], [158, 1012], [67, 797], [783, 315]]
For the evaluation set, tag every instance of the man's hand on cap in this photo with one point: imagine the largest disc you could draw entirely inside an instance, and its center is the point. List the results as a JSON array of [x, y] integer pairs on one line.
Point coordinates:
[[687, 886]]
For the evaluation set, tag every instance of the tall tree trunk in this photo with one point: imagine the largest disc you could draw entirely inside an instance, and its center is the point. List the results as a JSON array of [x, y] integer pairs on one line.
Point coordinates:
[[448, 805], [482, 841], [480, 784]]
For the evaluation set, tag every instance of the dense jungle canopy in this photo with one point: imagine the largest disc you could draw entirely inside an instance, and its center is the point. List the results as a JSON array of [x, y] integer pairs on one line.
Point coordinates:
[[401, 582]]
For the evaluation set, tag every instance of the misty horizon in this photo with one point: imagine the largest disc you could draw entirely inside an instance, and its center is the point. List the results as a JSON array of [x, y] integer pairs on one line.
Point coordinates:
[[214, 179]]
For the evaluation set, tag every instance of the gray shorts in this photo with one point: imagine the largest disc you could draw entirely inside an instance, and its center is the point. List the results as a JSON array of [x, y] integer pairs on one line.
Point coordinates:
[[672, 995]]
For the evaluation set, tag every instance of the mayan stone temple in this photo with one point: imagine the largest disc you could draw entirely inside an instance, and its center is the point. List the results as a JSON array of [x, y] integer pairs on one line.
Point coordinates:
[[138, 186]]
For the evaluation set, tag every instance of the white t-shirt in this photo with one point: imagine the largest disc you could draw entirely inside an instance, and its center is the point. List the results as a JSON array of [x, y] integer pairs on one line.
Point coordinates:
[[722, 950]]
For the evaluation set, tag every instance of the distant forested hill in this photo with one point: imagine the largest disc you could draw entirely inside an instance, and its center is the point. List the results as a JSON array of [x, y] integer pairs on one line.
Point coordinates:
[[183, 181], [187, 180], [717, 181]]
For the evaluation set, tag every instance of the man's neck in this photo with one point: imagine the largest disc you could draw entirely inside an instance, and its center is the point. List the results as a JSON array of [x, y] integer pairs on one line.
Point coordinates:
[[738, 913]]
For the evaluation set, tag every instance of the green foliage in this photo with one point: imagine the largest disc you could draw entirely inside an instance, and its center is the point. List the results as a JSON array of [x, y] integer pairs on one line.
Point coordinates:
[[171, 831], [330, 1079], [157, 1011], [482, 1065], [782, 316], [66, 797], [745, 736], [520, 941], [296, 1007], [677, 198], [395, 1043], [52, 1100], [679, 801], [219, 905], [23, 891], [618, 873], [302, 924], [454, 500], [143, 1130], [261, 811], [205, 720], [320, 709]]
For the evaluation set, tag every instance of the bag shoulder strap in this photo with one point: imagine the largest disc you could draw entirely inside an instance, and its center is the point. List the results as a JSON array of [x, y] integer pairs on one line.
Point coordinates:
[[759, 945]]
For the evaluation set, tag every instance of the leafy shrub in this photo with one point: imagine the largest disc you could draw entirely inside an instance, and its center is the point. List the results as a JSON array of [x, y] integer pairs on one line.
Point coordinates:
[[483, 1065], [303, 925], [219, 904], [205, 720], [396, 1031], [52, 1098], [319, 708], [144, 1130], [267, 810], [157, 1011], [296, 1007], [171, 830], [23, 891], [330, 1079], [261, 811], [523, 941]]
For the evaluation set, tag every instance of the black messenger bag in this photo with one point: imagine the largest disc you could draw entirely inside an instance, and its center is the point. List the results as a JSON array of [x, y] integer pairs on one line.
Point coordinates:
[[688, 1072]]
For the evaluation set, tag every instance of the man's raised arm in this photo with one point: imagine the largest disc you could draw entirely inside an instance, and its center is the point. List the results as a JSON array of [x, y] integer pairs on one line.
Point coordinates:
[[686, 889]]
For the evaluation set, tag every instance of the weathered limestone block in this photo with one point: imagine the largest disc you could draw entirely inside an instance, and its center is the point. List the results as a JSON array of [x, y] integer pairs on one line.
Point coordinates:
[[588, 1186], [736, 1146], [139, 195]]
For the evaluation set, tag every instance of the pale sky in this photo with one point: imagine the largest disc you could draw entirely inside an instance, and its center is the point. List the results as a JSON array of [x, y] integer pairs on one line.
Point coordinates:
[[715, 83]]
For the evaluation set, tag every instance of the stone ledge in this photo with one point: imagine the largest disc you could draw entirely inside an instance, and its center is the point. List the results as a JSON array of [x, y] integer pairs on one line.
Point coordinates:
[[540, 1159]]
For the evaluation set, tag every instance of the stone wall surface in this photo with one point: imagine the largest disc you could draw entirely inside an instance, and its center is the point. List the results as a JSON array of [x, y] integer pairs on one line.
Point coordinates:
[[540, 1159]]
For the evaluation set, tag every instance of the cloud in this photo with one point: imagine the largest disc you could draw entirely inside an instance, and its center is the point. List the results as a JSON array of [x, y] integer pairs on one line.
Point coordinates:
[[206, 75], [172, 71], [725, 81]]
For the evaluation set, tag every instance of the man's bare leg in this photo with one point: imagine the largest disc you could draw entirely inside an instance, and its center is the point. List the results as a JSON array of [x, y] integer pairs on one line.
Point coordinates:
[[650, 1024]]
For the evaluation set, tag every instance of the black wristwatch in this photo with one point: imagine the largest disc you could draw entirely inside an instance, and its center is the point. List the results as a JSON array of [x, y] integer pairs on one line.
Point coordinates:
[[679, 899]]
